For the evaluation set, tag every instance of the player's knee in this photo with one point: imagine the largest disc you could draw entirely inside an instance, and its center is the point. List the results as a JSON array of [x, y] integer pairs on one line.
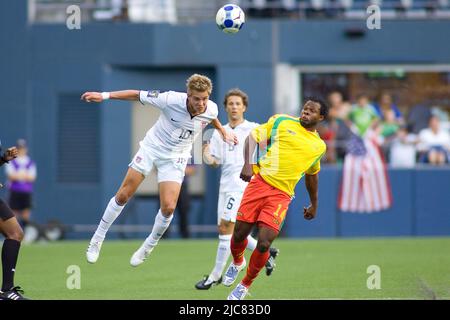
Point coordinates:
[[263, 245], [168, 209], [225, 227], [16, 234], [122, 197], [239, 236]]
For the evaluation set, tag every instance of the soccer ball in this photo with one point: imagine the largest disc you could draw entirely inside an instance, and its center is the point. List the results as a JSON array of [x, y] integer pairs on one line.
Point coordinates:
[[230, 18]]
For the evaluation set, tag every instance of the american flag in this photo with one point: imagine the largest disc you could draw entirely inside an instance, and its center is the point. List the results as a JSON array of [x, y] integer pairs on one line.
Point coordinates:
[[365, 186]]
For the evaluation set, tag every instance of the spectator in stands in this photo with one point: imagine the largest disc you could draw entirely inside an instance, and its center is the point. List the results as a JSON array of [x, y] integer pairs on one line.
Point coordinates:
[[330, 129], [363, 114], [21, 173], [316, 9], [339, 109], [259, 9], [115, 10], [388, 131], [403, 149], [272, 8], [289, 9], [336, 8], [389, 124], [440, 113], [434, 143], [386, 104], [418, 118]]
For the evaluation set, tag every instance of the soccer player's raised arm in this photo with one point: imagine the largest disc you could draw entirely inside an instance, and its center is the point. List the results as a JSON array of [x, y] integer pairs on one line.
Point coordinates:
[[228, 137], [130, 95], [312, 185], [249, 149]]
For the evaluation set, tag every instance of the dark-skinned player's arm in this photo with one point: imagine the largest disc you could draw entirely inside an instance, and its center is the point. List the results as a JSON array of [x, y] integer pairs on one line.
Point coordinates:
[[312, 185], [249, 150]]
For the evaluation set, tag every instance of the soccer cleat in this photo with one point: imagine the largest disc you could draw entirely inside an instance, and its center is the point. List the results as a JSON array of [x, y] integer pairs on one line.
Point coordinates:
[[140, 256], [232, 273], [206, 283], [238, 293], [270, 264], [14, 293], [93, 251]]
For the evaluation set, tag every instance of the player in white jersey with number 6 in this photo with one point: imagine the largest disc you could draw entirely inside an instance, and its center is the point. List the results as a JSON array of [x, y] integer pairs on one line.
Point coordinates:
[[166, 147], [231, 159]]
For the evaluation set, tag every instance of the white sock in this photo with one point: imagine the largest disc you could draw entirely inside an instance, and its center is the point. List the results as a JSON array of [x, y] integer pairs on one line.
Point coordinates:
[[159, 227], [251, 245], [111, 213], [223, 253]]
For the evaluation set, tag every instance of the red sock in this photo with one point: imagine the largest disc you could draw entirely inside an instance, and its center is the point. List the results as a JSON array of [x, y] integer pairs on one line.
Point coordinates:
[[257, 262], [237, 250]]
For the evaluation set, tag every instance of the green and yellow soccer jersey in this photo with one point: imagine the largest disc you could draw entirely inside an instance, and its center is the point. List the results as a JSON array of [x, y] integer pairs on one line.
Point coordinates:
[[287, 151]]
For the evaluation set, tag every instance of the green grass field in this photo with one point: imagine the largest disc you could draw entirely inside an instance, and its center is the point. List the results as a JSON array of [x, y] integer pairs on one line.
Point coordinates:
[[411, 268]]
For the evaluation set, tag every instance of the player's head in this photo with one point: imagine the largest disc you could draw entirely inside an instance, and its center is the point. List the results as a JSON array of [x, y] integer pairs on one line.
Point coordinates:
[[314, 110], [235, 103], [21, 145], [198, 90]]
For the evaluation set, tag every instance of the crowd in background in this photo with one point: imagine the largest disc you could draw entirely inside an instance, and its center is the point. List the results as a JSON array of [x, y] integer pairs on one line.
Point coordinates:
[[418, 135], [184, 11]]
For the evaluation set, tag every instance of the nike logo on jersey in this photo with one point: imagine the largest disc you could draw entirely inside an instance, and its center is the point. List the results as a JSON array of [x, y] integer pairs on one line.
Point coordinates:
[[291, 132], [174, 120]]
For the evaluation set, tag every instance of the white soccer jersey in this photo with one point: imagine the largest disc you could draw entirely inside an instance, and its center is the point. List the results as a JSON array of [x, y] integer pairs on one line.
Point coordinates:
[[173, 134], [231, 157]]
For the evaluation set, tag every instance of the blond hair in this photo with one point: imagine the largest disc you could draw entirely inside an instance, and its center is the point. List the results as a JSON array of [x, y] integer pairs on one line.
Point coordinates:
[[200, 83], [236, 92]]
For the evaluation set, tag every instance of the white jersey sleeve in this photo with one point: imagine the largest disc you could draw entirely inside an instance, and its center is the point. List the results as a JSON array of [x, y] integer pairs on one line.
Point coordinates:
[[154, 98]]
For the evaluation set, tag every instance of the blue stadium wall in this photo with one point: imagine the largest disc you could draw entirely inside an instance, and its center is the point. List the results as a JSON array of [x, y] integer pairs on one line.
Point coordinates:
[[43, 64]]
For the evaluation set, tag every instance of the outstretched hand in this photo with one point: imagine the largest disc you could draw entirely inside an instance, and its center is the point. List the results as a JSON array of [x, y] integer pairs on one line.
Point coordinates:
[[92, 97], [230, 138], [309, 212], [10, 153]]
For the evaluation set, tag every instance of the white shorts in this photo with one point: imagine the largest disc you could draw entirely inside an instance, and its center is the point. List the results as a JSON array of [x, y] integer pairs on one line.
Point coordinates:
[[167, 169], [228, 206]]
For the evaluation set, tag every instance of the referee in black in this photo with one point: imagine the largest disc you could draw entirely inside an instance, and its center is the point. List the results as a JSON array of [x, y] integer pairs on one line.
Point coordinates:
[[11, 230]]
